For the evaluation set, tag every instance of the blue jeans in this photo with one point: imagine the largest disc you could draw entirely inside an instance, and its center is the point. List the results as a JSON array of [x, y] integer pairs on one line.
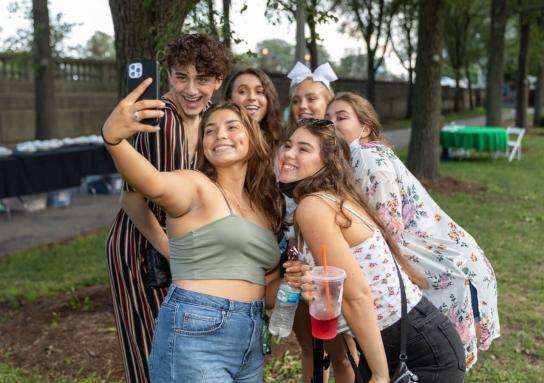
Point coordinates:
[[203, 338]]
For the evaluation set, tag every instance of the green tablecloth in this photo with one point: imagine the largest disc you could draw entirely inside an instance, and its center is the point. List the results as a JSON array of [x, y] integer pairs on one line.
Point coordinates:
[[474, 137]]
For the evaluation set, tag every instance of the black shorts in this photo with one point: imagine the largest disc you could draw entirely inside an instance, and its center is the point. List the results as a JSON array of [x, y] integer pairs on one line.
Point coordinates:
[[435, 351]]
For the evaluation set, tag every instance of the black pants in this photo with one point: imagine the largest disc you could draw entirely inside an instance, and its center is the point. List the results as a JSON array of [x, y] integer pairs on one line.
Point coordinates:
[[435, 351]]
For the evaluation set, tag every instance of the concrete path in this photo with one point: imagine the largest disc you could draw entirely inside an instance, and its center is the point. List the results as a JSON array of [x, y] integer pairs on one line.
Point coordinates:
[[89, 213]]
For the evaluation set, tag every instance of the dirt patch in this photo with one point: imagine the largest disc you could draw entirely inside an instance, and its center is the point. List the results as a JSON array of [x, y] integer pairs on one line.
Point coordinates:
[[450, 186], [71, 335]]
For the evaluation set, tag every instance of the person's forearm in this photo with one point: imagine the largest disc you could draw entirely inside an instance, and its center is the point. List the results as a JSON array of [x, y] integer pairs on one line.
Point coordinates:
[[145, 221], [137, 170], [361, 317]]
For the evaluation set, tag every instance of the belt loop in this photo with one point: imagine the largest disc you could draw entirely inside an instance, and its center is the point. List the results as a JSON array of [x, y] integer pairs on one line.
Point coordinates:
[[169, 293], [231, 305]]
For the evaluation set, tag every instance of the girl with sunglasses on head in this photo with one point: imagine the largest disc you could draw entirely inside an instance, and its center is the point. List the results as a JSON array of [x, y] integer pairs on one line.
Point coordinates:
[[461, 280], [222, 223], [333, 212]]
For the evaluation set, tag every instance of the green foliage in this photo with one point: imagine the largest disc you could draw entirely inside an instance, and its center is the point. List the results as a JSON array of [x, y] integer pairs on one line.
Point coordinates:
[[9, 374], [275, 55], [22, 40], [99, 46], [204, 17], [286, 370], [53, 270]]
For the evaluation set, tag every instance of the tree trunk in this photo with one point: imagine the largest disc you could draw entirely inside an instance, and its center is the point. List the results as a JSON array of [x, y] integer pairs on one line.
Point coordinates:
[[522, 88], [226, 24], [143, 28], [458, 94], [409, 100], [300, 48], [370, 77], [44, 78], [470, 93], [312, 44], [423, 151], [539, 97], [495, 63], [211, 19]]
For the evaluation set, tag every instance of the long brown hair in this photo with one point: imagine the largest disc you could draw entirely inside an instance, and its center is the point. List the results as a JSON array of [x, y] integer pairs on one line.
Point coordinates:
[[260, 182], [337, 178], [366, 114], [271, 125]]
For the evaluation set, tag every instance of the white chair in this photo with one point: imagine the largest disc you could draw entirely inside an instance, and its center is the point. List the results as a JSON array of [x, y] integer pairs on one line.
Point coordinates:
[[514, 146]]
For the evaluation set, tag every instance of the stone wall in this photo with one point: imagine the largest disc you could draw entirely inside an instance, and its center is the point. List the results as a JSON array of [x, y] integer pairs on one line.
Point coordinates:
[[86, 92]]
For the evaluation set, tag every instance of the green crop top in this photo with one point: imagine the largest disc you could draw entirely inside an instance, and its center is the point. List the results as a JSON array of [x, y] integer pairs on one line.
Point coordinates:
[[231, 247]]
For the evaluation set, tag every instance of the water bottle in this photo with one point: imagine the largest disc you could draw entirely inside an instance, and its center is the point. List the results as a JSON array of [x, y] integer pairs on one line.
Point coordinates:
[[286, 304], [285, 307]]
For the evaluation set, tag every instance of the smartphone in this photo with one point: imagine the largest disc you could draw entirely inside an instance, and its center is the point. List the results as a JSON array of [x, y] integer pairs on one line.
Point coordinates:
[[138, 71]]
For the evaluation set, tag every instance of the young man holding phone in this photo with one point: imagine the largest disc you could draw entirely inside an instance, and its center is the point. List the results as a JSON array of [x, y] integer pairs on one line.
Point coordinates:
[[197, 65]]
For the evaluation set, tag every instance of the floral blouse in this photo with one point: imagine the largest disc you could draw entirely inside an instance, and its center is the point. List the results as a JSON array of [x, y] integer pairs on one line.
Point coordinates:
[[439, 248]]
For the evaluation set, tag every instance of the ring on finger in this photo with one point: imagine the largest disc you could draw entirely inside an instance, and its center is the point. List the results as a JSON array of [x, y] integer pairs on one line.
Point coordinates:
[[136, 116]]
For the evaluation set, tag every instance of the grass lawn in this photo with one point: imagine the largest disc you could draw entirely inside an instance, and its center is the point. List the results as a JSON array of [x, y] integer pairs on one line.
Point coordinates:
[[507, 221]]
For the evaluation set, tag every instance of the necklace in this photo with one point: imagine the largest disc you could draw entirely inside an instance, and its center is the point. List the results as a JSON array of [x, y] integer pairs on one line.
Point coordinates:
[[234, 199]]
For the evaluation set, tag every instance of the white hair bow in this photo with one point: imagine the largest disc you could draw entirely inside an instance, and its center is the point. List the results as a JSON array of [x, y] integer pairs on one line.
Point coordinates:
[[301, 72]]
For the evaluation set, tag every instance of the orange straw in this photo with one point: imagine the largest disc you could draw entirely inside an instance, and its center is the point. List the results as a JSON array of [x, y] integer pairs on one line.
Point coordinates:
[[327, 290]]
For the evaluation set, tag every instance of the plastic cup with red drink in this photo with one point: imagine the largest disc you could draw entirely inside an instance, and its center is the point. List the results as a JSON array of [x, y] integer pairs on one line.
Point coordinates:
[[326, 302]]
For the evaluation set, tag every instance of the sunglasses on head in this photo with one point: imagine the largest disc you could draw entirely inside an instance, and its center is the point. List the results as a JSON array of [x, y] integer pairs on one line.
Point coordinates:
[[318, 123]]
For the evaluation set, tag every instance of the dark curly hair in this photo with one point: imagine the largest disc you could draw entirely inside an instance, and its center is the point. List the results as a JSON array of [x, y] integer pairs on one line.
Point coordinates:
[[337, 178], [209, 56], [271, 124], [260, 183]]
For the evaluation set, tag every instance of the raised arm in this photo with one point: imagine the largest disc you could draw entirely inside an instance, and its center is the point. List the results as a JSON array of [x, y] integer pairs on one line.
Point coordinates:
[[167, 189], [317, 223]]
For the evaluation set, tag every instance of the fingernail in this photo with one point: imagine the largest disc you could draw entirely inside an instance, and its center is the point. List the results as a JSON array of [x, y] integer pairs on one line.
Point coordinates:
[[163, 105], [161, 114]]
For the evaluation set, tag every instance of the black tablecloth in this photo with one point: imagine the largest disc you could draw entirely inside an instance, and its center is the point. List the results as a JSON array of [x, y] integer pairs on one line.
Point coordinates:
[[39, 172]]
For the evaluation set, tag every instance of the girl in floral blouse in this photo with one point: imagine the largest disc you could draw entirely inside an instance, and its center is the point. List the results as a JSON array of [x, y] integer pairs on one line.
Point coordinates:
[[461, 280]]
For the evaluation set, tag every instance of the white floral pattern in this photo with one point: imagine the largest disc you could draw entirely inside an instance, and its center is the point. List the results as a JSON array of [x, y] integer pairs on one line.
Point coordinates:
[[447, 255], [378, 267]]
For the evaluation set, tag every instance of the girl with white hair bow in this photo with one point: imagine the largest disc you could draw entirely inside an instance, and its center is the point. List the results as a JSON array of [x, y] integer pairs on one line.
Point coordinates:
[[310, 94]]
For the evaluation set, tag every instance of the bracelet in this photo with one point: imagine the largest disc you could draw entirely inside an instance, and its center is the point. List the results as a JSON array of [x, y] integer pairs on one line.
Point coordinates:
[[106, 142]]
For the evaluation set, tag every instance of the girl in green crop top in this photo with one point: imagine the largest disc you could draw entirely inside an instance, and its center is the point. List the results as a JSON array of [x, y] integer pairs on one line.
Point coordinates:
[[234, 188]]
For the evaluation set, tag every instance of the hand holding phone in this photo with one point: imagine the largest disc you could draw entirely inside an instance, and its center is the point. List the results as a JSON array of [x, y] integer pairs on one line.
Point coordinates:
[[127, 117], [138, 71]]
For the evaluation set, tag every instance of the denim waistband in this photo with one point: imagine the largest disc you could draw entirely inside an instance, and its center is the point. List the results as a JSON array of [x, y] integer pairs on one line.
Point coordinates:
[[177, 294]]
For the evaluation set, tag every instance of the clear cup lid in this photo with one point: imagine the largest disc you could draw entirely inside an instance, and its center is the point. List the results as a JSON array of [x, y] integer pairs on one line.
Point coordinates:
[[334, 274]]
